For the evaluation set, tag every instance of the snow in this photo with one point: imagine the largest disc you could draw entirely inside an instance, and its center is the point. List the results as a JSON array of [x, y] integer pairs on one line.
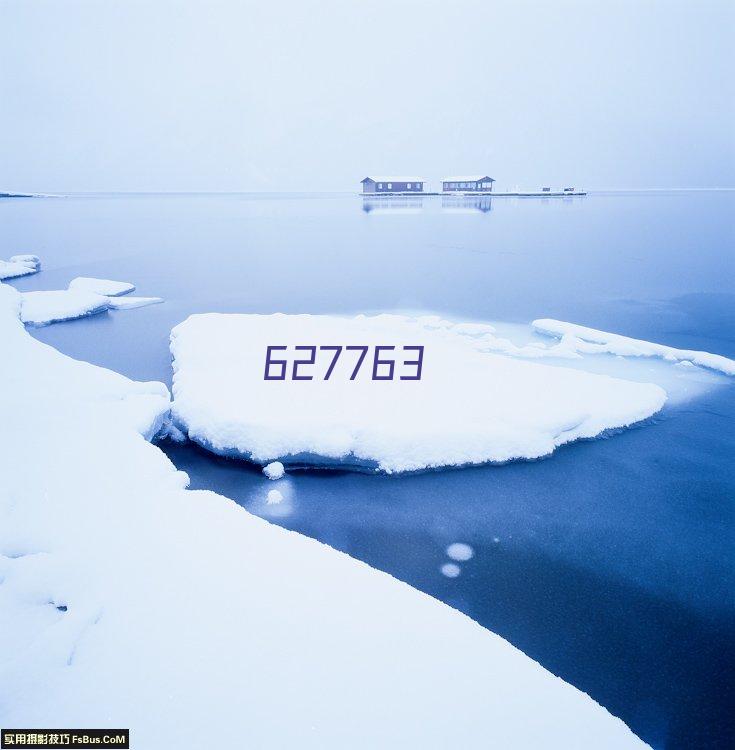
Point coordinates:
[[128, 600], [450, 570], [576, 339], [19, 265], [473, 329], [471, 406], [395, 179], [84, 296], [42, 308], [274, 470], [471, 178], [128, 303], [169, 431], [101, 286], [28, 259], [274, 497], [460, 551]]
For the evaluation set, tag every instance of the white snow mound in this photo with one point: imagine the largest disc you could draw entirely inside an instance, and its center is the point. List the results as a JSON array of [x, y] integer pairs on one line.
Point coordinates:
[[274, 470], [187, 608], [470, 406]]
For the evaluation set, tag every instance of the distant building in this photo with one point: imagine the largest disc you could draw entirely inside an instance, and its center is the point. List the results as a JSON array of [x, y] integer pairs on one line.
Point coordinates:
[[471, 184], [393, 185]]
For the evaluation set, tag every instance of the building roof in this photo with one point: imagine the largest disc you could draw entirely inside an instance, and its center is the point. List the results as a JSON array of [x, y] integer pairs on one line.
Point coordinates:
[[471, 178], [382, 178]]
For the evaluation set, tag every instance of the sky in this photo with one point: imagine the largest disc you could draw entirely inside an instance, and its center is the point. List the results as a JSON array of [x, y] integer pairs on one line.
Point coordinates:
[[122, 95]]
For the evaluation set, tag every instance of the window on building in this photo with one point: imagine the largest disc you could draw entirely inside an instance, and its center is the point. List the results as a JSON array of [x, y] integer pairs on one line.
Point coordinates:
[[390, 186], [380, 186], [409, 186]]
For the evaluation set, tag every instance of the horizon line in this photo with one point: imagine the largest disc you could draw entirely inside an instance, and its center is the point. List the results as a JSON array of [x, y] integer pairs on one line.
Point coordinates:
[[79, 193]]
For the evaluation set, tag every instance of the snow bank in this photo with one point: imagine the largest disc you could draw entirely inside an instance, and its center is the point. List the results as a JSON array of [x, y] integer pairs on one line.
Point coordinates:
[[470, 406], [576, 340], [127, 600], [19, 265]]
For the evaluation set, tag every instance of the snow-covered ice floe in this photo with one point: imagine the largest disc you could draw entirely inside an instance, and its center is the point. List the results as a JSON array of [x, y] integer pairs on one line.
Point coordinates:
[[105, 287], [84, 296], [127, 600], [472, 405], [19, 265], [42, 308], [576, 340]]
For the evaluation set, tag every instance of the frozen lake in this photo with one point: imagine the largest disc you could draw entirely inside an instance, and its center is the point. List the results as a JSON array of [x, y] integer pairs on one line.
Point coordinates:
[[611, 563]]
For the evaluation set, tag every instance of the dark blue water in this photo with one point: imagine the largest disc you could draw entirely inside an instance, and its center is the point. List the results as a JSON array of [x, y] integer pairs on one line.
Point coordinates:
[[611, 563]]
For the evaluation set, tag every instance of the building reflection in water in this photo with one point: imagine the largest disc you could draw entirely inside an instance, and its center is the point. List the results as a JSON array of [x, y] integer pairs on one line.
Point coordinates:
[[392, 203], [466, 203]]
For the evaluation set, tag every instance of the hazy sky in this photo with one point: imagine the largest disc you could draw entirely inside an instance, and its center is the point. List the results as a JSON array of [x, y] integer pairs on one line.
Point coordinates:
[[213, 95]]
